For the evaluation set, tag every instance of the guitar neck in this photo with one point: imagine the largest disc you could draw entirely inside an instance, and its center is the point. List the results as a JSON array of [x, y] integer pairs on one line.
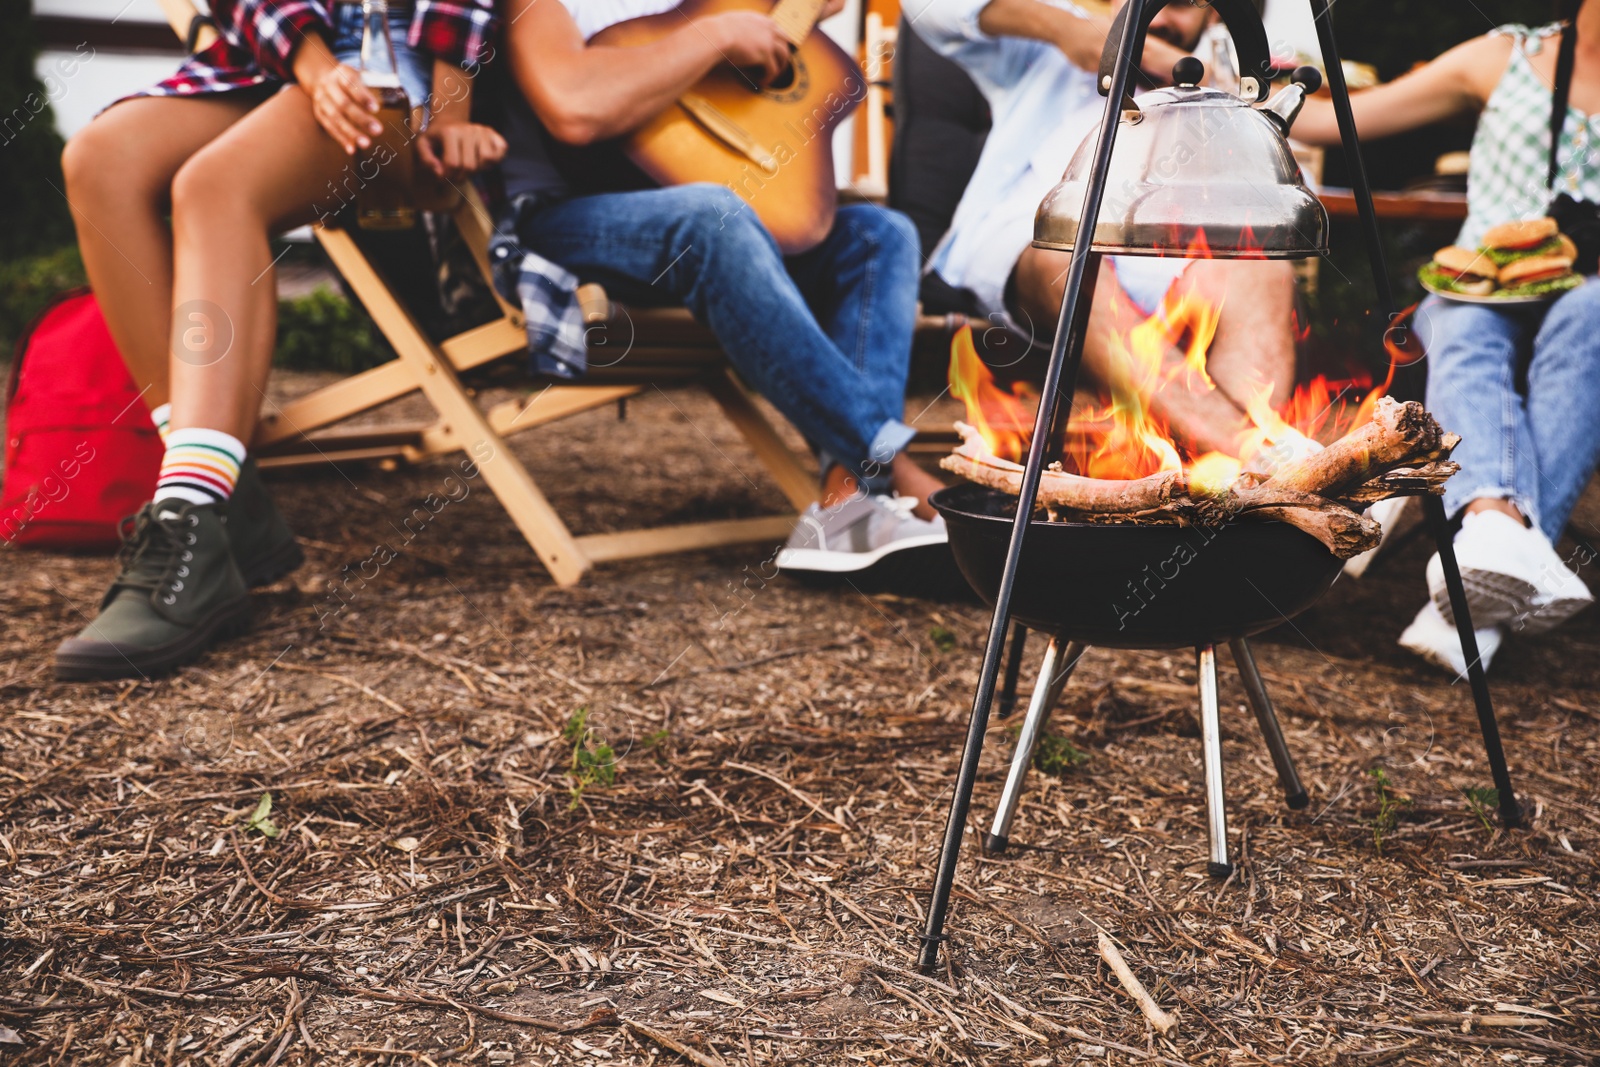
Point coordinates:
[[796, 18]]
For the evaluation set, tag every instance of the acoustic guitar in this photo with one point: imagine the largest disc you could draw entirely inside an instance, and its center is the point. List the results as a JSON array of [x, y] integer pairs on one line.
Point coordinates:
[[771, 144]]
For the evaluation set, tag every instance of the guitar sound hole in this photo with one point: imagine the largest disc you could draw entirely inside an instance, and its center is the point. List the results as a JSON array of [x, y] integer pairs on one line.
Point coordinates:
[[783, 81]]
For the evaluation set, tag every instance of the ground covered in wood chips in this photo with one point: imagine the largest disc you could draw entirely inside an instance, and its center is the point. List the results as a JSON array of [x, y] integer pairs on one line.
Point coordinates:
[[688, 812]]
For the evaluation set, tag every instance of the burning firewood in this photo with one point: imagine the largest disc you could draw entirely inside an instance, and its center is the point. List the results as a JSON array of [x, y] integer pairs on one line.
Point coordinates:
[[1401, 450], [1398, 435]]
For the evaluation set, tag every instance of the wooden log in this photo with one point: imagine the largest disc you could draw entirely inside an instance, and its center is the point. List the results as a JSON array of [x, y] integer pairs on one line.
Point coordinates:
[[1428, 478], [1343, 532], [1165, 498], [1401, 450], [1398, 435], [1058, 489]]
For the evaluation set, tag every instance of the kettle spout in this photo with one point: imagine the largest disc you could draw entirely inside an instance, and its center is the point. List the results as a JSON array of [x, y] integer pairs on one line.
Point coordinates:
[[1285, 107]]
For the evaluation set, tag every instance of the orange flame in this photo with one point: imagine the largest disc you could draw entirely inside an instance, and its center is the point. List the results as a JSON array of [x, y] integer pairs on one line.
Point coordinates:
[[1123, 437], [1000, 415]]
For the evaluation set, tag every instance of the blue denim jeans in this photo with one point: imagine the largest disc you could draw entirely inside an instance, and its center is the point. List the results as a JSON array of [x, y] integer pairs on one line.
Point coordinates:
[[1538, 450], [825, 335]]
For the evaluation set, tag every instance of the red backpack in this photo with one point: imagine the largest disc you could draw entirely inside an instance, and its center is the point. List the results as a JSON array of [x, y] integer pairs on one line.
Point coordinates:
[[81, 451]]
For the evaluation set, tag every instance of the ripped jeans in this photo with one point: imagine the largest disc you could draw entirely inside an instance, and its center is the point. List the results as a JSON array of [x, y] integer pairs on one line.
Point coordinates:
[[1537, 451]]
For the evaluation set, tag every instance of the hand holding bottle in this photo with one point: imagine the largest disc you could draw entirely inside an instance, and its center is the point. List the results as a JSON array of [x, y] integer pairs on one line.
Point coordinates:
[[342, 105]]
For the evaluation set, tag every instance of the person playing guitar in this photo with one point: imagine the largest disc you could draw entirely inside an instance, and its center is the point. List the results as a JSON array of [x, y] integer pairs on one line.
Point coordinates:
[[824, 333]]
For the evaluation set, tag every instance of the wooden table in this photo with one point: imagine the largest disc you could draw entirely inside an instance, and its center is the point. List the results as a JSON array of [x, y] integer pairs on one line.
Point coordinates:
[[1422, 206]]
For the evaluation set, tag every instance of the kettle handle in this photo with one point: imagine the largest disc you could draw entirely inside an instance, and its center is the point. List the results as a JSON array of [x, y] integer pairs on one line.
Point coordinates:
[[1244, 26]]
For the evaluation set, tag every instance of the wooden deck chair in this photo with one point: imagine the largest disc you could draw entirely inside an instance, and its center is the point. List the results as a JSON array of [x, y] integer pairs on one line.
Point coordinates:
[[669, 348]]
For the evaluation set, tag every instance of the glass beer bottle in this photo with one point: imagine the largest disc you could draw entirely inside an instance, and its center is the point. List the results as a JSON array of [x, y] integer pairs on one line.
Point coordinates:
[[383, 197]]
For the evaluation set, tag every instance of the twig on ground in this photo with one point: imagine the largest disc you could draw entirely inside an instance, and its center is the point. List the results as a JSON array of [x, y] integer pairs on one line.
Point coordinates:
[[689, 1052], [1165, 1024]]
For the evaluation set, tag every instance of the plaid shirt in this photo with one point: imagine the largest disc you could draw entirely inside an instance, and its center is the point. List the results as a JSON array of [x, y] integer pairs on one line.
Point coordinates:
[[548, 294], [257, 38]]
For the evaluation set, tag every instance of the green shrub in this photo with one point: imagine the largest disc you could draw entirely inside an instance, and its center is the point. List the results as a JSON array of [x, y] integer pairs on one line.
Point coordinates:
[[324, 331], [321, 331], [33, 206], [27, 284]]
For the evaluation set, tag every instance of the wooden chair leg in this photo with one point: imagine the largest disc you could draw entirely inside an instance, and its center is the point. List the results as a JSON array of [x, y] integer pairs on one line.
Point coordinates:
[[503, 472], [530, 412], [794, 480]]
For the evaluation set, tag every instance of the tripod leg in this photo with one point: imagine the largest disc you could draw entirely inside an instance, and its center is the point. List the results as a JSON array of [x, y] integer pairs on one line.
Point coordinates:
[[1439, 526], [1294, 794], [1432, 506], [1060, 379], [1059, 660], [1211, 742], [1008, 687]]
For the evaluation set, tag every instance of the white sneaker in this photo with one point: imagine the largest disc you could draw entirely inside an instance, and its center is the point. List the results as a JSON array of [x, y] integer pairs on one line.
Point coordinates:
[[1512, 575], [1434, 638], [858, 533], [1386, 513]]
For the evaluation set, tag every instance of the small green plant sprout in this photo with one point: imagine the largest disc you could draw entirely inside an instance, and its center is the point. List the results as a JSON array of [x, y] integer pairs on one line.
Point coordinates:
[[1482, 800], [1053, 754], [261, 819], [942, 637], [1056, 755], [594, 761], [1390, 805]]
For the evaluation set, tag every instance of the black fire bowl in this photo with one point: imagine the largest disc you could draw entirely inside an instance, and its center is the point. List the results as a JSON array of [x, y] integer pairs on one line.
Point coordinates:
[[1138, 586]]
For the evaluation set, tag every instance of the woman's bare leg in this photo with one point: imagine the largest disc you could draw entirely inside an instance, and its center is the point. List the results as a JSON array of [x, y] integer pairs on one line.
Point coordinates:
[[119, 172], [267, 172]]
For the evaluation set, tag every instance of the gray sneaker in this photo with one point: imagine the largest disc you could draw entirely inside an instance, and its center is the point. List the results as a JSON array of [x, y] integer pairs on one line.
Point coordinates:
[[860, 533]]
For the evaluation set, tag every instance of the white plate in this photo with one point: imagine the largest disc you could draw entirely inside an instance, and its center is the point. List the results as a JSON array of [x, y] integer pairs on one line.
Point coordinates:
[[1500, 301]]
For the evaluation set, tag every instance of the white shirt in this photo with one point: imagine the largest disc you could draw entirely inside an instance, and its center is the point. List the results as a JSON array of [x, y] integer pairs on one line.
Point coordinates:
[[592, 16], [1043, 106]]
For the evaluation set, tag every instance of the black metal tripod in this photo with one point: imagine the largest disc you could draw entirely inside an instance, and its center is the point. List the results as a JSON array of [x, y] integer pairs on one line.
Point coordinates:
[[1060, 380]]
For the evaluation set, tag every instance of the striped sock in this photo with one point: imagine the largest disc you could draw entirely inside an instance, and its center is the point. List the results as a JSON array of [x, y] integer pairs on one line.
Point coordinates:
[[201, 466], [161, 416]]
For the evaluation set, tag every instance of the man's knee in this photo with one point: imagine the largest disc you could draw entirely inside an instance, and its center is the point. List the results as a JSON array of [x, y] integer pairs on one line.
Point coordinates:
[[1251, 282], [710, 211], [882, 226]]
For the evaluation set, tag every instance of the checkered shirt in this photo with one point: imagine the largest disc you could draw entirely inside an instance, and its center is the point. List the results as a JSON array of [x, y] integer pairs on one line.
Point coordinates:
[[548, 295], [1511, 150], [257, 38]]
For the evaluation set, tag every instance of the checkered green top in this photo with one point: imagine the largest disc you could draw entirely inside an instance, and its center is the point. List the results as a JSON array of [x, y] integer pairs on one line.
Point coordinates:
[[1511, 150]]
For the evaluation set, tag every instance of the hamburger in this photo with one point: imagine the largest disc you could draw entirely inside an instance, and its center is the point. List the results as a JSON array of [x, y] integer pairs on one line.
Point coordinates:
[[1537, 275], [1530, 257], [1511, 241], [1461, 270]]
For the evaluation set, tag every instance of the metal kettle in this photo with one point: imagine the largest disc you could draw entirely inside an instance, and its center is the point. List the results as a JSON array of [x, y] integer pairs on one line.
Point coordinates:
[[1195, 167]]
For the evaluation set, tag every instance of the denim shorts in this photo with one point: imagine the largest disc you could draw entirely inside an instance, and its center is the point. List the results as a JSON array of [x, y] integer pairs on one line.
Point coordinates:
[[416, 69]]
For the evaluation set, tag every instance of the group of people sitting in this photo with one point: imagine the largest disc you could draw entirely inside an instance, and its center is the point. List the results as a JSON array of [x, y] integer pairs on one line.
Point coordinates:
[[248, 137]]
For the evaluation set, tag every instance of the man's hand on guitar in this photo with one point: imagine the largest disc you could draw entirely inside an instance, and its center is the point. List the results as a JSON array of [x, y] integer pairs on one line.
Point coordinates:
[[749, 39]]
